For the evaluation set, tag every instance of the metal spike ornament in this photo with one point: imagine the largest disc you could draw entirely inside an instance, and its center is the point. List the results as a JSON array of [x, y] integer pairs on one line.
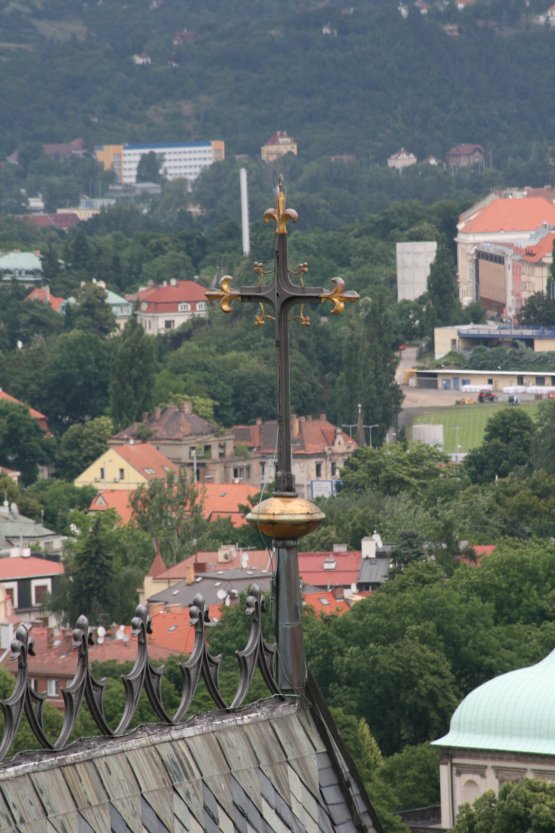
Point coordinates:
[[285, 517]]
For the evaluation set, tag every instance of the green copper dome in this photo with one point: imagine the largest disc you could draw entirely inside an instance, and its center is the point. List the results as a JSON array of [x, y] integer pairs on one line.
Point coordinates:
[[514, 712]]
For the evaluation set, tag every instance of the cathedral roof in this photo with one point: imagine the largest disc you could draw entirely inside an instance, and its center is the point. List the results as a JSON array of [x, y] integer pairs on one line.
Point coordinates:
[[514, 712]]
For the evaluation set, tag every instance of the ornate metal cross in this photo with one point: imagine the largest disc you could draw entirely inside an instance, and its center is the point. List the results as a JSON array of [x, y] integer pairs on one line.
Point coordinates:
[[282, 294]]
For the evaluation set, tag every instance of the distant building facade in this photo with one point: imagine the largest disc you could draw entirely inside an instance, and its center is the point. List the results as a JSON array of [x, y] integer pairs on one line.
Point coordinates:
[[466, 156], [517, 221], [414, 260], [178, 160], [166, 307], [401, 159], [278, 145], [25, 268]]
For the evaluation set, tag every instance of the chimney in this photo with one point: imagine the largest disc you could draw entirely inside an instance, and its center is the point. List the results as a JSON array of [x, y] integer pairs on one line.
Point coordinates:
[[157, 413], [323, 417], [186, 407], [145, 416], [190, 573], [294, 425], [368, 547]]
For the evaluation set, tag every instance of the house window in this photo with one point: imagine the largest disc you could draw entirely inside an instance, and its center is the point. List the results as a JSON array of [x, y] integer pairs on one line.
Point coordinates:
[[201, 306], [184, 307], [318, 470], [39, 589], [168, 325], [52, 688], [520, 380], [122, 474], [333, 469], [11, 592], [540, 380], [33, 683]]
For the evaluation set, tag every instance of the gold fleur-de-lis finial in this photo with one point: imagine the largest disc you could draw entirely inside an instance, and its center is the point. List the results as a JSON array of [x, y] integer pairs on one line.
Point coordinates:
[[280, 214]]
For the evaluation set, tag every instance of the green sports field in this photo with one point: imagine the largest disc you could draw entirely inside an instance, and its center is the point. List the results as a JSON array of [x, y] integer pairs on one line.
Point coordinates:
[[464, 425]]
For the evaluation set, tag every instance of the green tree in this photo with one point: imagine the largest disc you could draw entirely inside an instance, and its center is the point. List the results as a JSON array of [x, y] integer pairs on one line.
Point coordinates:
[[104, 564], [91, 312], [75, 384], [542, 449], [538, 310], [413, 775], [131, 375], [58, 500], [393, 468], [506, 446], [369, 363], [81, 445], [170, 511], [526, 806], [23, 444], [442, 290], [148, 169]]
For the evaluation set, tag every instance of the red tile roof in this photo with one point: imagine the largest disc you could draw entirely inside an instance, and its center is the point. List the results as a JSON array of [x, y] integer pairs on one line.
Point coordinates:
[[343, 573], [118, 499], [28, 567], [517, 215], [308, 435], [40, 418], [146, 459], [43, 294], [60, 221], [174, 422], [222, 500], [158, 565], [537, 252], [465, 150], [160, 298], [325, 603]]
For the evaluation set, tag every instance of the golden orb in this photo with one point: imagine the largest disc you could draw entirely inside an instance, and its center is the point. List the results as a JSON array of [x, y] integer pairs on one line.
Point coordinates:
[[285, 517]]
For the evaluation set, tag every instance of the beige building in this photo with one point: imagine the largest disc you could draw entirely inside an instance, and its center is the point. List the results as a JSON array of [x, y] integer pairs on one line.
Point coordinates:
[[414, 261], [319, 448], [534, 383], [167, 307], [464, 338], [278, 145], [126, 467], [502, 731], [189, 441]]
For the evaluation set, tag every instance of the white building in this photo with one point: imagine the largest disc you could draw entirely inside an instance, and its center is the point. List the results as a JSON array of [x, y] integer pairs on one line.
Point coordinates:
[[502, 731], [178, 160], [414, 260]]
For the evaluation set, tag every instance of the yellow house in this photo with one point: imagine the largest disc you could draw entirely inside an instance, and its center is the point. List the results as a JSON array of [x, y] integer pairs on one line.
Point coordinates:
[[111, 159], [126, 467]]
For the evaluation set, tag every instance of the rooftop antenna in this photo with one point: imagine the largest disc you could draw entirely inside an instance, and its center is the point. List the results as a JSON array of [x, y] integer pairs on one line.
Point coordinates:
[[245, 211]]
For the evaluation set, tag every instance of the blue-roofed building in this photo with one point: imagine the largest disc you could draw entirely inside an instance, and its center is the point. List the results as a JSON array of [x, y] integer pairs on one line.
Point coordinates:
[[502, 731]]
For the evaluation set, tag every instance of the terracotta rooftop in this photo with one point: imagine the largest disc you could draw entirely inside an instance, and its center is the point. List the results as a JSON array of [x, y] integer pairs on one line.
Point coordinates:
[[60, 221], [325, 603], [308, 435], [42, 293], [254, 559], [176, 292], [538, 251], [220, 500], [40, 418], [465, 150], [28, 567], [329, 569], [146, 459], [510, 215]]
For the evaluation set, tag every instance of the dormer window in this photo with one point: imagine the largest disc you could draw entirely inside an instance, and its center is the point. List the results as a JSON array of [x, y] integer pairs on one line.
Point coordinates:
[[184, 307]]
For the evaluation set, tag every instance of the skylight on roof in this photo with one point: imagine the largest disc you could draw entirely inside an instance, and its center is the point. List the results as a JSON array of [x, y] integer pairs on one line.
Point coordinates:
[[324, 601]]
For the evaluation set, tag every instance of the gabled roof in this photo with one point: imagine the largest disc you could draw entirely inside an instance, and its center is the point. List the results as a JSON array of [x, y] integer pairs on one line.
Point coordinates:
[[174, 422], [146, 459], [26, 261], [510, 215], [279, 137], [308, 435], [536, 252], [18, 567]]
